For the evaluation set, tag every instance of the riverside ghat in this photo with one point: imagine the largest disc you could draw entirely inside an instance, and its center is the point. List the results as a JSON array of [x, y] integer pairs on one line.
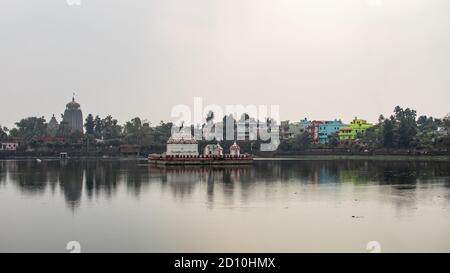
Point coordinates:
[[183, 150]]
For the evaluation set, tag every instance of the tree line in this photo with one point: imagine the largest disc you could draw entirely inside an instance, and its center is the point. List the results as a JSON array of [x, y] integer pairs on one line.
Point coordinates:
[[401, 130]]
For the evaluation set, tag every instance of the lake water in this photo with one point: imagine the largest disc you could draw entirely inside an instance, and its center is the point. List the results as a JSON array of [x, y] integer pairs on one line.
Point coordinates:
[[272, 206]]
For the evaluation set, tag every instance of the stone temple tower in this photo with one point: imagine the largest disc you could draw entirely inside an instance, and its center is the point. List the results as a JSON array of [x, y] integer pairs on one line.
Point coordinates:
[[73, 116]]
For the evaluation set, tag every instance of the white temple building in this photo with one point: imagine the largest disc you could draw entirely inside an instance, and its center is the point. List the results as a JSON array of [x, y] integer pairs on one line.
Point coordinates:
[[182, 144], [235, 150], [213, 149]]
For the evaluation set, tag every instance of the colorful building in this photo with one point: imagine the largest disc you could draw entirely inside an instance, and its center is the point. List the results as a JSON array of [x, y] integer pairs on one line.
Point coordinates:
[[327, 128], [313, 130], [304, 123], [354, 129]]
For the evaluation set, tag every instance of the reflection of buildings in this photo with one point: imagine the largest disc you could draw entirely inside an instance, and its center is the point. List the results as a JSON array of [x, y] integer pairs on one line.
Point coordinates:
[[79, 181]]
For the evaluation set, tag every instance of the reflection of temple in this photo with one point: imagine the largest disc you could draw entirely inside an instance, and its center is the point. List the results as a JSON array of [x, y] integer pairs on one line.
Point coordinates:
[[71, 183]]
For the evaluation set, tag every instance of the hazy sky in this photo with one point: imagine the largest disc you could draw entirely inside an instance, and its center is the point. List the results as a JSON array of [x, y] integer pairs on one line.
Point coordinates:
[[317, 58]]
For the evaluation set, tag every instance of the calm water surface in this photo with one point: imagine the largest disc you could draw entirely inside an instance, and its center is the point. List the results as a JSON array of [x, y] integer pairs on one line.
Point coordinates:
[[273, 206]]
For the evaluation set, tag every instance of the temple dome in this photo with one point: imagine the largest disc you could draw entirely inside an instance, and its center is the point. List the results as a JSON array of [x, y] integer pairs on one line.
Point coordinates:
[[73, 104], [73, 116]]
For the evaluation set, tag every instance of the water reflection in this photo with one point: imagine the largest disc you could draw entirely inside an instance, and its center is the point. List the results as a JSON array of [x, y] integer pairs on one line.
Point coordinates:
[[93, 179]]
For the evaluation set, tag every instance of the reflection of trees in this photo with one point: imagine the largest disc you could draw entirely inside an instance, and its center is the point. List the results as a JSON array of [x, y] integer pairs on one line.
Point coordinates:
[[354, 171], [3, 172], [182, 181], [98, 179], [28, 178], [102, 177]]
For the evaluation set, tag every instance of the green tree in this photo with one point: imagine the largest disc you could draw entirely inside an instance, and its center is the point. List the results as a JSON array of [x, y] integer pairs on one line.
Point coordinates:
[[31, 129], [426, 124], [110, 128], [98, 127], [446, 123], [388, 133], [407, 126], [132, 131], [89, 125], [333, 140], [302, 142], [3, 133]]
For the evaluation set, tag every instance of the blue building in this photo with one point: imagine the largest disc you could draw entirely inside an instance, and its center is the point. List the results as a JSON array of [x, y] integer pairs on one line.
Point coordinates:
[[327, 128], [304, 124]]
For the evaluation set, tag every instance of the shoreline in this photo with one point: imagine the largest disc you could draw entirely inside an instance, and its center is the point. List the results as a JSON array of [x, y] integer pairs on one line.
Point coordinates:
[[256, 158], [357, 157]]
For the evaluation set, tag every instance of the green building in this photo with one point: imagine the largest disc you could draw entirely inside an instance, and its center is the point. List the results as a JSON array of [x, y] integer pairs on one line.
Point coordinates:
[[354, 129]]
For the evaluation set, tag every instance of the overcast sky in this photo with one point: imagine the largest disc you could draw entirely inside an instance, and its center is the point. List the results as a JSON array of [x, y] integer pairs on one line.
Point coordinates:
[[321, 59]]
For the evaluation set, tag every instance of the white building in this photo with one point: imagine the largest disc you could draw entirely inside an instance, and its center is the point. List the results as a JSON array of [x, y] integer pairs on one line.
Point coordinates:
[[235, 150], [9, 146], [182, 143], [247, 129], [213, 149]]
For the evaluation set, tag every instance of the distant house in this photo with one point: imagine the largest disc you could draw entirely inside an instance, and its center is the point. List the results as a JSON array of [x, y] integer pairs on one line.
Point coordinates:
[[9, 146], [128, 150], [327, 128], [313, 130], [304, 123], [290, 130], [284, 129], [247, 129], [353, 130]]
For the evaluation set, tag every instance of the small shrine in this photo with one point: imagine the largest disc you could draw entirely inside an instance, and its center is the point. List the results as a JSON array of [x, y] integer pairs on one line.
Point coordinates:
[[235, 150]]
